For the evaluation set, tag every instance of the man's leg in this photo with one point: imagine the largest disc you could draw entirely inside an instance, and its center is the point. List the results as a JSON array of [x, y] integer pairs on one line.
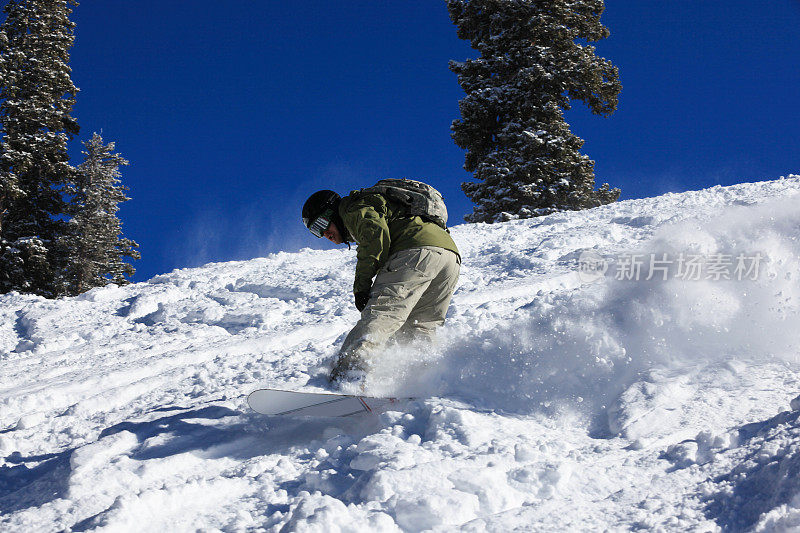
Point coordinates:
[[397, 289], [431, 309]]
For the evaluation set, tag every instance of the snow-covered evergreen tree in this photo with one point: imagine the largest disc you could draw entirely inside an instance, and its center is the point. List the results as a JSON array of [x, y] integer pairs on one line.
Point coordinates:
[[95, 241], [36, 99], [533, 62]]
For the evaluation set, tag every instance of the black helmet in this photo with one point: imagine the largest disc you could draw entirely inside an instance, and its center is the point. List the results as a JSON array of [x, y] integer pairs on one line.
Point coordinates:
[[320, 210]]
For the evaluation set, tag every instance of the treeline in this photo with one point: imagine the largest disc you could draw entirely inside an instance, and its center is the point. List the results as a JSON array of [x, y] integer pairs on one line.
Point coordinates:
[[59, 230]]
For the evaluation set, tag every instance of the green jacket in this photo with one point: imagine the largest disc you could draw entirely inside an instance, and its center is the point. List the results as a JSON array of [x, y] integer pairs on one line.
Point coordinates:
[[381, 228]]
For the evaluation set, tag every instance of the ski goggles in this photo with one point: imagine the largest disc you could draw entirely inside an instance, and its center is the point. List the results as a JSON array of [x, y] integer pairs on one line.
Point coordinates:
[[318, 226]]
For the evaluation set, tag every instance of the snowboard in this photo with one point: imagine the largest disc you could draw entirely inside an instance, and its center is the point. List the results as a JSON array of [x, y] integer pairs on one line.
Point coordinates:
[[279, 402]]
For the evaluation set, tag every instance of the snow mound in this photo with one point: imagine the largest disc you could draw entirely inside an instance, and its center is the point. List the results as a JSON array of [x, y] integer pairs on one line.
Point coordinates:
[[626, 367]]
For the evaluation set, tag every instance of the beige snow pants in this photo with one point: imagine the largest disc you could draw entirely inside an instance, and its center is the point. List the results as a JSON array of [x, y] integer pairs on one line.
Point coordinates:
[[408, 300]]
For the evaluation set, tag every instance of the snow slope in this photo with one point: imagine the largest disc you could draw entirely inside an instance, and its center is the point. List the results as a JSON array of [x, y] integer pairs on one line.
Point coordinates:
[[553, 400]]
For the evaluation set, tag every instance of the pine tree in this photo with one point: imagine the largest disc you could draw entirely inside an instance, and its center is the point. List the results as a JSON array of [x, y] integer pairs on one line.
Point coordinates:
[[525, 160], [36, 100], [95, 242]]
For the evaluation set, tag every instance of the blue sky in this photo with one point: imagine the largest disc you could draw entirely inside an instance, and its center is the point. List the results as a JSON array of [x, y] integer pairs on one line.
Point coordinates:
[[233, 113]]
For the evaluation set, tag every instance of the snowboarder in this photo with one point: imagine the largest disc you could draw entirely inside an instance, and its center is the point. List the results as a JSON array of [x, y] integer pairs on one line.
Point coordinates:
[[412, 257]]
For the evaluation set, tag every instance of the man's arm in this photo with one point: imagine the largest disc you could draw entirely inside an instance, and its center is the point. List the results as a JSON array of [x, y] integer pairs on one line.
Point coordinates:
[[365, 219]]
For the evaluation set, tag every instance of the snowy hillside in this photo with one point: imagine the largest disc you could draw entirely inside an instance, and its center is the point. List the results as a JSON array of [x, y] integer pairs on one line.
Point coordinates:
[[557, 399]]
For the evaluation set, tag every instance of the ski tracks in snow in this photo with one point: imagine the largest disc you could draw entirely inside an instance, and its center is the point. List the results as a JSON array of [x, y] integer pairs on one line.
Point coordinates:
[[552, 404]]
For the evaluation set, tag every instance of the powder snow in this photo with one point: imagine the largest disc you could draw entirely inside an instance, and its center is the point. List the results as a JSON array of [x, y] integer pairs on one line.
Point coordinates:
[[633, 366]]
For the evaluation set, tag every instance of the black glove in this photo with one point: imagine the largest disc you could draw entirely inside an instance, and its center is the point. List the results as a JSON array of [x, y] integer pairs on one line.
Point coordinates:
[[361, 300]]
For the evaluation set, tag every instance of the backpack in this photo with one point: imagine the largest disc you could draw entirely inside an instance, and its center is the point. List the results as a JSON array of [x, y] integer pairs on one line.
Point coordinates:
[[418, 199]]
